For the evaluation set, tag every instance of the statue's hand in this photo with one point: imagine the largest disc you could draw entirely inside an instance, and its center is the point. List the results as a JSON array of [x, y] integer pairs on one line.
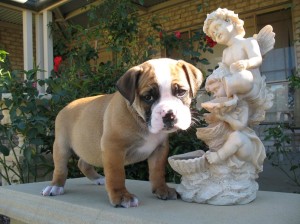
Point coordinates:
[[212, 157], [239, 66], [210, 118]]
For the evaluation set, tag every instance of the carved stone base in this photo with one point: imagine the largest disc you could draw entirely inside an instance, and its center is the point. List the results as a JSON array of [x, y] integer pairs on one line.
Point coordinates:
[[230, 183]]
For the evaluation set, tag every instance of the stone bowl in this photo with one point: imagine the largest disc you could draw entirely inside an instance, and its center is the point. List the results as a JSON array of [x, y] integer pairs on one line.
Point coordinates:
[[188, 163], [221, 104]]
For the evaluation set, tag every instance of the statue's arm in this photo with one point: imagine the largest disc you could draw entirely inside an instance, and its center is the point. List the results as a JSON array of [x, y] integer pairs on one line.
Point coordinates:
[[253, 51]]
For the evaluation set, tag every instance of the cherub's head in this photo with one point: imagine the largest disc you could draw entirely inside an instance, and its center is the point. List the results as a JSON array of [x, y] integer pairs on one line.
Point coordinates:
[[223, 16]]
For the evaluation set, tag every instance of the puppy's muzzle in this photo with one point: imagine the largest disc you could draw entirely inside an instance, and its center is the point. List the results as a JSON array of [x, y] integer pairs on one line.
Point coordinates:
[[169, 120]]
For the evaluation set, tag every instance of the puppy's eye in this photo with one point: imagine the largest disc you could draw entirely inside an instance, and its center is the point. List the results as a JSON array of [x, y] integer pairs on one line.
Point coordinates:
[[148, 98], [181, 92]]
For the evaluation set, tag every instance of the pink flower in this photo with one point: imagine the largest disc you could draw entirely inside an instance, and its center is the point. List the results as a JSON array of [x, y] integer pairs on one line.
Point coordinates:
[[177, 34], [57, 61], [210, 41], [34, 84]]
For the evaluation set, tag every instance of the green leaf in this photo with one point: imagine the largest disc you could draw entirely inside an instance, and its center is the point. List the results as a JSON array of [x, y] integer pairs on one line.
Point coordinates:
[[210, 50], [21, 126], [199, 8], [30, 74], [4, 150], [32, 133], [37, 141], [294, 167], [3, 55], [41, 82], [204, 61], [27, 153], [8, 102]]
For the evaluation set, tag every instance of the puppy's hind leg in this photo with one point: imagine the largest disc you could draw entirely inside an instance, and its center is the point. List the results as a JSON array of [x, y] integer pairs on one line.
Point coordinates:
[[90, 172], [61, 156]]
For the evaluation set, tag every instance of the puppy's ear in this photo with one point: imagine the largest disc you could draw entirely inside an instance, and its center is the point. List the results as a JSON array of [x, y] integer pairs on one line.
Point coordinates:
[[193, 75], [127, 84]]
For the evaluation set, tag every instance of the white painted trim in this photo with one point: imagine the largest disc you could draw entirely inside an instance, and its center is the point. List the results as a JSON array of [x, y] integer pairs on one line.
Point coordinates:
[[27, 40], [39, 49], [55, 5], [48, 43], [82, 10]]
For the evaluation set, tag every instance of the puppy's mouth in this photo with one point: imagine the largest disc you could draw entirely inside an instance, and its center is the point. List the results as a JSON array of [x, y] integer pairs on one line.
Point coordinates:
[[169, 129], [169, 121], [168, 125]]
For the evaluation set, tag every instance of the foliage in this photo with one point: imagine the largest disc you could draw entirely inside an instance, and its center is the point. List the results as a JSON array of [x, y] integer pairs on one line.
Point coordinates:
[[283, 156], [189, 49], [80, 75], [121, 27], [294, 80], [31, 117]]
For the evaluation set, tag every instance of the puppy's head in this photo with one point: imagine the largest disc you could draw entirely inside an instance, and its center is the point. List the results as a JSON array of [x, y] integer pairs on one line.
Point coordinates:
[[161, 91]]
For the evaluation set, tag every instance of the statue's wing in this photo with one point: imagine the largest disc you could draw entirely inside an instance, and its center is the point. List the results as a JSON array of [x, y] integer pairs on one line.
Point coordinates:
[[265, 39]]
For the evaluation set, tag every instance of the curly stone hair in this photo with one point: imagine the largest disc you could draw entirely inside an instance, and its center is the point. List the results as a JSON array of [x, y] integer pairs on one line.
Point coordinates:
[[227, 16]]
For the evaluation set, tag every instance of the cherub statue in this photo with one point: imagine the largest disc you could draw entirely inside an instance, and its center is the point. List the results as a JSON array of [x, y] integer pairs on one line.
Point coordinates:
[[226, 173], [243, 56], [238, 77], [240, 140]]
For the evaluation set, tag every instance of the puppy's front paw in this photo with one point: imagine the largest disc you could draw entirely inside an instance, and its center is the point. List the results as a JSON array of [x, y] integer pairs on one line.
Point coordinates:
[[123, 199], [53, 191], [165, 193], [99, 181]]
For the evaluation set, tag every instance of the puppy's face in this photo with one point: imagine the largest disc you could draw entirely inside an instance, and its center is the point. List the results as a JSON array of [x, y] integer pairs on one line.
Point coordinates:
[[161, 90]]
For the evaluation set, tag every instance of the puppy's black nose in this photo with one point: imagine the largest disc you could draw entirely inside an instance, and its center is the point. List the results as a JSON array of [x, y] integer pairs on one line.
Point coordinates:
[[169, 119]]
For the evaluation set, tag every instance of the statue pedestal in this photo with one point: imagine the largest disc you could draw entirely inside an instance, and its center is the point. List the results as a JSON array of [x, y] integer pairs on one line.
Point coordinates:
[[221, 184]]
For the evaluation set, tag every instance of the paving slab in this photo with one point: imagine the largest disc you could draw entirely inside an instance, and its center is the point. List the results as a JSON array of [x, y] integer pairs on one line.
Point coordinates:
[[84, 202]]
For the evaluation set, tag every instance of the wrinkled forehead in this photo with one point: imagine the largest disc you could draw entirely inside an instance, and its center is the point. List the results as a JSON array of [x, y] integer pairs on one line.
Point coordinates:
[[167, 72]]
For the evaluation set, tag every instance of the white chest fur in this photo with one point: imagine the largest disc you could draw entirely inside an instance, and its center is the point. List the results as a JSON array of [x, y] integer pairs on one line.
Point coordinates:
[[143, 151]]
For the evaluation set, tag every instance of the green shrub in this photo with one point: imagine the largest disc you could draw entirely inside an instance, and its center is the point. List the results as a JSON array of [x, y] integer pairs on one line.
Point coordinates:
[[283, 156], [33, 115]]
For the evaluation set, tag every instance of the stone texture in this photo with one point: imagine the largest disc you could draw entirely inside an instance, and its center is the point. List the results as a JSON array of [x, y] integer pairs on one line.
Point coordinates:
[[84, 202]]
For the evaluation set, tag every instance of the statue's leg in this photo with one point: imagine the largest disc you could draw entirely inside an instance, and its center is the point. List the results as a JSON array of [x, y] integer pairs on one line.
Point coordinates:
[[237, 144], [231, 146]]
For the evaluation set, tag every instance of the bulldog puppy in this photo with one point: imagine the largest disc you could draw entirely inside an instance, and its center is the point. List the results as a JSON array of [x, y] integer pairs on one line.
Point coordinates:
[[126, 127]]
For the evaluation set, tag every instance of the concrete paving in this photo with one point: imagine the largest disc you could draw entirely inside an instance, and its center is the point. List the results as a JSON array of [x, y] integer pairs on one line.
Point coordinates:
[[84, 202]]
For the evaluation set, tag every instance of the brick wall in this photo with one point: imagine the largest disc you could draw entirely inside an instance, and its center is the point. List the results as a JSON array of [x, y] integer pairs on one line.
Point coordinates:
[[184, 14], [11, 40], [296, 27]]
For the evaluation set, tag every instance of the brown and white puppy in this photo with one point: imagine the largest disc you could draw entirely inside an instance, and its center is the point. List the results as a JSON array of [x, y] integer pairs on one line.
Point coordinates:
[[126, 127]]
